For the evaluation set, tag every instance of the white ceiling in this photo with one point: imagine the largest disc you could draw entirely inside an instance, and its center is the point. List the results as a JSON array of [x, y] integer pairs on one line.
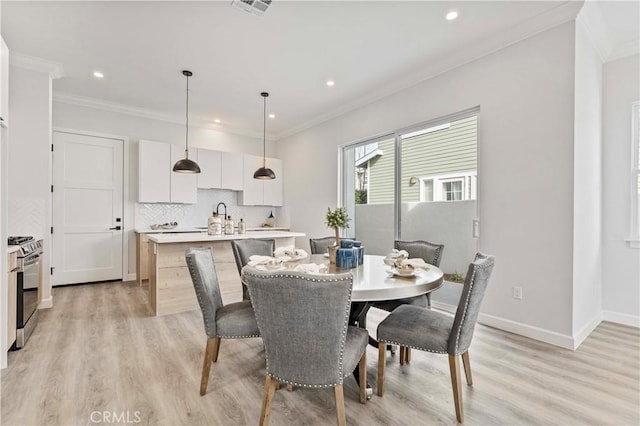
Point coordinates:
[[369, 48]]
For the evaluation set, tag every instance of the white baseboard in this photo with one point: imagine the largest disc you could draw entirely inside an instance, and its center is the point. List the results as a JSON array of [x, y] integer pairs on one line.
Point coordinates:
[[586, 330], [46, 303], [130, 277], [619, 318], [536, 333], [551, 337]]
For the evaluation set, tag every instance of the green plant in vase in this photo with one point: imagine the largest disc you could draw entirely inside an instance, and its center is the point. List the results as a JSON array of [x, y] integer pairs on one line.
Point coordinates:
[[336, 219]]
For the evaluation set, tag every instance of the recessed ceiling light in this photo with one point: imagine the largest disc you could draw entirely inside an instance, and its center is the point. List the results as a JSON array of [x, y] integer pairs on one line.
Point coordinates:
[[272, 116], [98, 74], [452, 15], [331, 83], [217, 121]]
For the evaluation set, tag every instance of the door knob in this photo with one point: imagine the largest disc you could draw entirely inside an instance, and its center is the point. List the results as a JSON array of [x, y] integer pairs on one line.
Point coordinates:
[[115, 228]]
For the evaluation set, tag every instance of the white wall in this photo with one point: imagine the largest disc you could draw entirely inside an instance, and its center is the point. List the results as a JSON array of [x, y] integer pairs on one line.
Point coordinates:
[[134, 128], [525, 153], [587, 195], [29, 206], [621, 264], [4, 181]]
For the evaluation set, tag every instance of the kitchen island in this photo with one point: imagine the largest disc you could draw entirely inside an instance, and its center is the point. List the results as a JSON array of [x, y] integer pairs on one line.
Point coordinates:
[[170, 289]]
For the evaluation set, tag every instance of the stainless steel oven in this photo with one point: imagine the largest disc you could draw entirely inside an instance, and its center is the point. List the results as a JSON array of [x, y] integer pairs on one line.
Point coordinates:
[[29, 258]]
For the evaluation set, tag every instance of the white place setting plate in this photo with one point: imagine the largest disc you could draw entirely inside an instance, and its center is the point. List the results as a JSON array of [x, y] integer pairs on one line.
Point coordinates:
[[403, 273]]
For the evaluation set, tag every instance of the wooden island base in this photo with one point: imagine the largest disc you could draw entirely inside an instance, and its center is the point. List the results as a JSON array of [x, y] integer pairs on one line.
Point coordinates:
[[170, 288]]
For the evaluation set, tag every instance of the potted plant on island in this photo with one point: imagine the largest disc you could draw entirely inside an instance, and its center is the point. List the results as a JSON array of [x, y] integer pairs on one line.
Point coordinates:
[[336, 219]]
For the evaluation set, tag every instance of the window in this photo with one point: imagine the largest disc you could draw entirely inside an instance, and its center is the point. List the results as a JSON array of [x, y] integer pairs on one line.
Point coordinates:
[[635, 177], [414, 183], [458, 187]]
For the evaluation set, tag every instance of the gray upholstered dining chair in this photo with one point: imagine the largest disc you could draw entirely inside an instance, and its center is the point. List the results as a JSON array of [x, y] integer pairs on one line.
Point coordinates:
[[320, 245], [430, 253], [303, 320], [427, 330], [244, 249], [233, 321]]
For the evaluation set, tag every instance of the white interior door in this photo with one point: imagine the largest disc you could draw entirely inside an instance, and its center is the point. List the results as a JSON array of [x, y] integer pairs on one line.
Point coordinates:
[[87, 208]]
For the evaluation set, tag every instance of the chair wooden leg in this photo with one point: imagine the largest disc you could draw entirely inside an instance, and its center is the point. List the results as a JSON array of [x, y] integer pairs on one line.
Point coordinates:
[[428, 300], [342, 419], [407, 354], [216, 350], [206, 367], [454, 367], [402, 349], [467, 367], [382, 352], [362, 371], [269, 391], [289, 387]]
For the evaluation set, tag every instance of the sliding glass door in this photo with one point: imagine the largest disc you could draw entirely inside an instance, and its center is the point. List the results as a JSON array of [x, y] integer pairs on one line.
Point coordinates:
[[368, 192], [438, 188], [418, 183]]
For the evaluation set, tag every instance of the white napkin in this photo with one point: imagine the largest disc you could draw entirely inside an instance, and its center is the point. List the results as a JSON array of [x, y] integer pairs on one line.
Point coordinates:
[[398, 253], [394, 256], [312, 268], [415, 262], [260, 260], [290, 251]]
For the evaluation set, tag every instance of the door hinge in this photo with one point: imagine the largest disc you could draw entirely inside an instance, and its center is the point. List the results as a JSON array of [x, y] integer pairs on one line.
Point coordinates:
[[52, 268], [51, 188], [51, 147], [52, 229]]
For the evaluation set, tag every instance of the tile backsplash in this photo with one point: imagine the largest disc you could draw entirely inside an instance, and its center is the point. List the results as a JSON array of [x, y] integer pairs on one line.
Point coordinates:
[[189, 215]]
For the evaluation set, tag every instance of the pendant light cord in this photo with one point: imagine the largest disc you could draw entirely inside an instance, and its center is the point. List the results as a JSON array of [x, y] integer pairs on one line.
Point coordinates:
[[186, 139], [264, 134]]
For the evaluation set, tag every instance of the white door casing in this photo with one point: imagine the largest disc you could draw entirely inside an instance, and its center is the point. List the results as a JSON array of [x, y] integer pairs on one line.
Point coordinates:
[[87, 202]]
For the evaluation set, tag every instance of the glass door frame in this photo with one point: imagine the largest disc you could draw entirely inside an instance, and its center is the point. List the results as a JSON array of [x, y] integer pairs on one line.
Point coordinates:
[[343, 183]]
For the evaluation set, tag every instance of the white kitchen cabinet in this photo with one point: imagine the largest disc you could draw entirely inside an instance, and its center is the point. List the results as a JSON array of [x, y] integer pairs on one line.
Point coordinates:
[[157, 183], [232, 170], [184, 186], [273, 188], [210, 164], [258, 192], [154, 172], [220, 170]]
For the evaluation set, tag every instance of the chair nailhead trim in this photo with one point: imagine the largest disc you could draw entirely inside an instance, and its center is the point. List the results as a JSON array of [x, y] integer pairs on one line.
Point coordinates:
[[344, 327], [304, 385], [237, 337], [466, 302], [412, 346]]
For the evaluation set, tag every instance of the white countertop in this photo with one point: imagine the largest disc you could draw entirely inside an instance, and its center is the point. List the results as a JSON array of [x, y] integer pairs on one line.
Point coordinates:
[[176, 237], [190, 229], [11, 249]]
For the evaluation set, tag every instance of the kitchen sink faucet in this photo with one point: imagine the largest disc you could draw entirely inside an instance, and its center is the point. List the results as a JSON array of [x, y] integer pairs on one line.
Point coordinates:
[[218, 209]]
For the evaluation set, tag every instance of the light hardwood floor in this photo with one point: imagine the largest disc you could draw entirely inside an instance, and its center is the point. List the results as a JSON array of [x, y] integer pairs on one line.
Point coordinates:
[[99, 350]]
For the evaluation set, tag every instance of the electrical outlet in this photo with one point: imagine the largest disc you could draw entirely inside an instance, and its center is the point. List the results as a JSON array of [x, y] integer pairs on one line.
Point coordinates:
[[517, 293]]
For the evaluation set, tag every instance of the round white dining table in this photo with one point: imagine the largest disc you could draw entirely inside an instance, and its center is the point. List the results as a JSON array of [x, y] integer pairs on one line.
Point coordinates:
[[373, 280]]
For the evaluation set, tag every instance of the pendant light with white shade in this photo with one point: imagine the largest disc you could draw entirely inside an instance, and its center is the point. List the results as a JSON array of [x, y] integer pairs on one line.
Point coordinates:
[[186, 165], [264, 173]]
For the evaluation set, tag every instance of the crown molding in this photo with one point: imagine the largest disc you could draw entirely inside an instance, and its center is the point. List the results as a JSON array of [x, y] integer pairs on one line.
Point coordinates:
[[118, 108], [623, 50], [32, 63], [593, 22], [594, 29], [546, 20]]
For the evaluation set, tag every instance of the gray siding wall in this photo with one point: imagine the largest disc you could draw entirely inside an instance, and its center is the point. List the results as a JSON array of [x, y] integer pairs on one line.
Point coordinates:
[[381, 169], [446, 151]]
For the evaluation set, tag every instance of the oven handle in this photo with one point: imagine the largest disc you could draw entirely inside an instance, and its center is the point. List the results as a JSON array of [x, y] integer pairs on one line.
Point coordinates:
[[29, 260]]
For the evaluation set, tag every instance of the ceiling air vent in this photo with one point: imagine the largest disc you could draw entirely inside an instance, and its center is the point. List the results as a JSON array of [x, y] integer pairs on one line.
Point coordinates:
[[255, 7]]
